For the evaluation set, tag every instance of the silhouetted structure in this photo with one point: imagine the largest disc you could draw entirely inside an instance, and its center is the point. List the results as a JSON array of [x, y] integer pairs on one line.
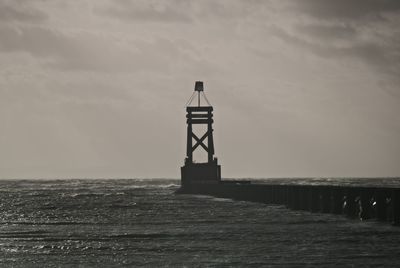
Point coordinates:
[[210, 171], [381, 203]]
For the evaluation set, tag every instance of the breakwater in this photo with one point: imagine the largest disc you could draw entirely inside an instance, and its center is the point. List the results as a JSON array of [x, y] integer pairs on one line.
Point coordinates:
[[380, 203]]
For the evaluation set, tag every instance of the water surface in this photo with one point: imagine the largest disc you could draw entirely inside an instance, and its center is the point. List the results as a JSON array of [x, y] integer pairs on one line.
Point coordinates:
[[103, 223]]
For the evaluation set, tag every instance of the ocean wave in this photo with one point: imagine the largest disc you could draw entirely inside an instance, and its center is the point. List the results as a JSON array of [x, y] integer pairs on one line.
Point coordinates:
[[212, 198], [48, 223], [152, 186]]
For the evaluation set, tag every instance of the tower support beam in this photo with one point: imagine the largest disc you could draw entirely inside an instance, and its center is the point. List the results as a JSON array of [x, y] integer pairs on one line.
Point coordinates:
[[200, 116]]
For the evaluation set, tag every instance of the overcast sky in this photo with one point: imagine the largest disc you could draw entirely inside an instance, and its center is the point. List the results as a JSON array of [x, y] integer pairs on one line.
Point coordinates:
[[97, 88]]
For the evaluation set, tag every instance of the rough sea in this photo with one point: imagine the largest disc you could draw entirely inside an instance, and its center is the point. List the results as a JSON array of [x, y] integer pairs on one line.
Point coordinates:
[[113, 223]]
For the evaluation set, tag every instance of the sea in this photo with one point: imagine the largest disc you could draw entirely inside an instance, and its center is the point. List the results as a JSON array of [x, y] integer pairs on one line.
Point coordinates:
[[143, 223]]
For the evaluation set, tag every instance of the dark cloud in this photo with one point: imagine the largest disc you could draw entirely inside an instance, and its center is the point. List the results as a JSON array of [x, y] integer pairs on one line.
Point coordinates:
[[360, 29], [17, 11], [85, 51], [373, 53], [346, 9]]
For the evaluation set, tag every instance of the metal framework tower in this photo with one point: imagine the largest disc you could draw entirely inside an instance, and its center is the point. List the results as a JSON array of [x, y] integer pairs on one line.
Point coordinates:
[[200, 115], [203, 116]]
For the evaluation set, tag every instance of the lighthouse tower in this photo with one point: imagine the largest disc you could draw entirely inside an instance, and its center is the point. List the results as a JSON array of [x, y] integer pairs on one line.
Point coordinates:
[[206, 172]]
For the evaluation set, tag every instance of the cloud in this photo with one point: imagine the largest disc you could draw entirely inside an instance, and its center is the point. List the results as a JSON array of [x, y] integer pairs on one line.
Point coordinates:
[[179, 11], [327, 32], [373, 53], [12, 11], [362, 30], [98, 80], [161, 11], [88, 51], [346, 9], [38, 41]]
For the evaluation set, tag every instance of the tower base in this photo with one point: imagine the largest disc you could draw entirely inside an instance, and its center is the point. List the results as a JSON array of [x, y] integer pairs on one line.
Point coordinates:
[[209, 173]]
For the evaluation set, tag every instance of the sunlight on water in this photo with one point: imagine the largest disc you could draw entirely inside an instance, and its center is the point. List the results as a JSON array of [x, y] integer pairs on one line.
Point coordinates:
[[142, 222]]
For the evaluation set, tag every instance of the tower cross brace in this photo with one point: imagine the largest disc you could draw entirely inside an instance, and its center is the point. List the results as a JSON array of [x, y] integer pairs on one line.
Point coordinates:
[[201, 115]]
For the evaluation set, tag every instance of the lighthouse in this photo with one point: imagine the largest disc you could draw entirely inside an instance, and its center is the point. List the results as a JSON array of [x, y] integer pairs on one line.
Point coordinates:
[[200, 172]]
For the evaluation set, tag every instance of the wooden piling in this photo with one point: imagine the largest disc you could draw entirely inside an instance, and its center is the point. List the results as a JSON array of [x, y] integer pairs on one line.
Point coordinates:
[[314, 199], [396, 206], [381, 204], [351, 202], [325, 199], [337, 200], [365, 204]]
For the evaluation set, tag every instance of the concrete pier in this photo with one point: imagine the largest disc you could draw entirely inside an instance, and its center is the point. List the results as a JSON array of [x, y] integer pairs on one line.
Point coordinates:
[[365, 203]]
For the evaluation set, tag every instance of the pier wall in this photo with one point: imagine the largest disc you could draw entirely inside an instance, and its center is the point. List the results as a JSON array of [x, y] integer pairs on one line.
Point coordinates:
[[382, 204]]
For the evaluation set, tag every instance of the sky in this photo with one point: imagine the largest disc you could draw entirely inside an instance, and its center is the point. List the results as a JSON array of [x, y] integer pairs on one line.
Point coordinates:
[[300, 88]]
